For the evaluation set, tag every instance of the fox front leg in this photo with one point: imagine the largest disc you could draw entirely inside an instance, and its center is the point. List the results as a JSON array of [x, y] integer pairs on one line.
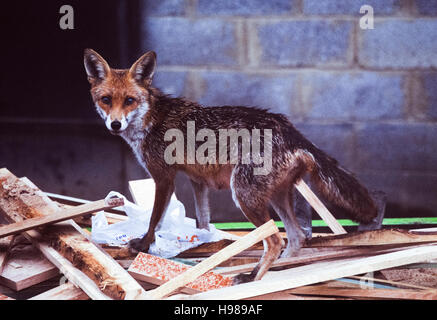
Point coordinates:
[[202, 205], [163, 192]]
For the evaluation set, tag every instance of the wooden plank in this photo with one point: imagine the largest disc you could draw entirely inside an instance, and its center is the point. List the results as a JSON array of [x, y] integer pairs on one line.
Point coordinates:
[[405, 294], [309, 255], [85, 221], [5, 249], [115, 217], [241, 233], [157, 270], [302, 259], [99, 276], [190, 275], [319, 272], [282, 295], [66, 267], [319, 207], [374, 237], [112, 215], [66, 291], [206, 249], [424, 230], [26, 267], [72, 201], [3, 297], [119, 253], [61, 215], [286, 295], [388, 282]]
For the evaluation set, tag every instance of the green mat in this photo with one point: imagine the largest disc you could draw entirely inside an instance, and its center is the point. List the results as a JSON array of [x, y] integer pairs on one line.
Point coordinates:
[[321, 223]]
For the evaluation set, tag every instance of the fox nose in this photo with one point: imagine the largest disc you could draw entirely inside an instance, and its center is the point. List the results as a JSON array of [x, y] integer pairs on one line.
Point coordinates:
[[116, 125]]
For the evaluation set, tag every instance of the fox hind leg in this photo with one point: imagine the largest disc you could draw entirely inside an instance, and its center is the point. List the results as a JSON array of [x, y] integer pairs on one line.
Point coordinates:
[[303, 212], [254, 204], [272, 245], [282, 203]]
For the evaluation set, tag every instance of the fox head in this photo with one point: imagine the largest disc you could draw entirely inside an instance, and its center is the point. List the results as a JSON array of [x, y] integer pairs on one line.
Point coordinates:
[[120, 96]]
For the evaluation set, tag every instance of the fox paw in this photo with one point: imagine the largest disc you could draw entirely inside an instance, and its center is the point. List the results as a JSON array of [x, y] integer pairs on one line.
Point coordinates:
[[243, 278]]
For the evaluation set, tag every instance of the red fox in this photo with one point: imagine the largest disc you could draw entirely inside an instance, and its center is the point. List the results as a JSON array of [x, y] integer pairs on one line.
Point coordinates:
[[149, 120]]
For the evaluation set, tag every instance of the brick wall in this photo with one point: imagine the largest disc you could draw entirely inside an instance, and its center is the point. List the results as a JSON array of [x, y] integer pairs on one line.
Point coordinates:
[[367, 97]]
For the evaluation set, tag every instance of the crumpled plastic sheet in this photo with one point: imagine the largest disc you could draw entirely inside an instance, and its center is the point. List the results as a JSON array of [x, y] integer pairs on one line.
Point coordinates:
[[174, 234]]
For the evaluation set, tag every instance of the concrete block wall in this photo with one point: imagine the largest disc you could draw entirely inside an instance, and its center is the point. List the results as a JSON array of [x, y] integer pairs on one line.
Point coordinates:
[[367, 97]]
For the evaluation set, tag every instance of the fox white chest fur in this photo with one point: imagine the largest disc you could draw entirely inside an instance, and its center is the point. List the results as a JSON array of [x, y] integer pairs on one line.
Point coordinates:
[[136, 132]]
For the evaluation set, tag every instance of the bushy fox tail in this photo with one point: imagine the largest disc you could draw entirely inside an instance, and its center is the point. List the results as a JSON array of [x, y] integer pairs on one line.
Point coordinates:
[[340, 187]]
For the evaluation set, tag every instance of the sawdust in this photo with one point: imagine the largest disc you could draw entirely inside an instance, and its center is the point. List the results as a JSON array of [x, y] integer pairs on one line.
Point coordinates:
[[425, 277]]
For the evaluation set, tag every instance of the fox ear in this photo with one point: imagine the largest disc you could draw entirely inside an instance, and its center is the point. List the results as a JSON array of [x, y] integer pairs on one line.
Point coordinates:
[[96, 67], [144, 68]]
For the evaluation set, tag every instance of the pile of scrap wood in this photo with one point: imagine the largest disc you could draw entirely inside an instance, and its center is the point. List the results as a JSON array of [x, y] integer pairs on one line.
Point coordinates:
[[46, 252]]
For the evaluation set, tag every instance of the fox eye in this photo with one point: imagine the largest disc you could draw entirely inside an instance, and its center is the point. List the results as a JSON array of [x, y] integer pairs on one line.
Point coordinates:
[[106, 100], [128, 101]]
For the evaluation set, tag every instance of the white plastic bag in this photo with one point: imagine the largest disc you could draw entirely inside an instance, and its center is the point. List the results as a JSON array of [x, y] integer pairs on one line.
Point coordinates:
[[175, 233], [170, 242]]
